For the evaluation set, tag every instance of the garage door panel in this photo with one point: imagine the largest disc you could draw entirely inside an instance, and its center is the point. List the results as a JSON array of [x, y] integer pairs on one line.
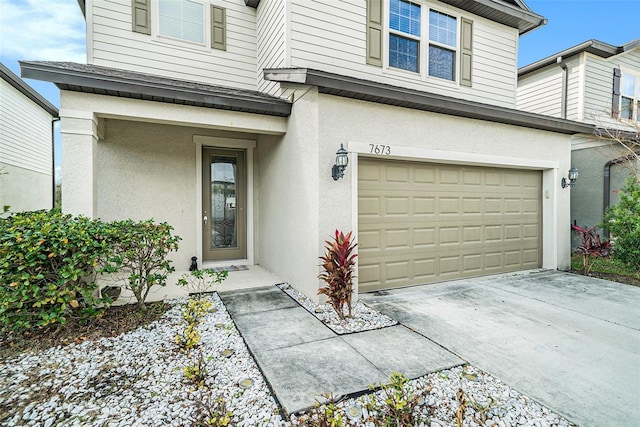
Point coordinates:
[[421, 222]]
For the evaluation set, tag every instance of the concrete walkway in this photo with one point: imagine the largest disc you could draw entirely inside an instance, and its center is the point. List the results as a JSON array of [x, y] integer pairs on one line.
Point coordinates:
[[302, 359], [568, 341]]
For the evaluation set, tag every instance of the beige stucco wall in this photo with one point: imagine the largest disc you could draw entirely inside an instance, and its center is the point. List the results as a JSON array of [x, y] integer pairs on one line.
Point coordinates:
[[425, 136], [25, 190]]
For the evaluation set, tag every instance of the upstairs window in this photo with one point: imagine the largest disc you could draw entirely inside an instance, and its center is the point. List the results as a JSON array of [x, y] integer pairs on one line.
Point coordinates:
[[410, 40], [629, 96], [182, 20], [404, 35], [442, 45]]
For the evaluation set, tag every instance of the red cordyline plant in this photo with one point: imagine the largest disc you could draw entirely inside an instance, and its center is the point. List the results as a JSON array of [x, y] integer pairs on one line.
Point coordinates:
[[338, 264], [591, 246]]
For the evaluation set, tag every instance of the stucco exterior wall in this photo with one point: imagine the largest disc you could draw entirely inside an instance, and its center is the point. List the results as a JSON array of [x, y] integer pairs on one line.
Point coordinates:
[[289, 206], [24, 190], [424, 136]]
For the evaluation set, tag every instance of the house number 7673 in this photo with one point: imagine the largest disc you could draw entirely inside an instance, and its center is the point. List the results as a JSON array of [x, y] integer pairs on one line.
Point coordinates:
[[383, 150]]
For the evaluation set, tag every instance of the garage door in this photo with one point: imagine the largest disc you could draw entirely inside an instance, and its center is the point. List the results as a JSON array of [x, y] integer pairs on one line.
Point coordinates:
[[421, 222]]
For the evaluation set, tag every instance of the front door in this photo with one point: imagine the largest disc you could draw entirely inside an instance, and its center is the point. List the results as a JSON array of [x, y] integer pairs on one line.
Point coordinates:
[[224, 201]]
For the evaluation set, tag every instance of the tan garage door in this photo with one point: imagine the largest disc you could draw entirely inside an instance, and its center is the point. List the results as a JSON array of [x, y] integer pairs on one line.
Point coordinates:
[[421, 222]]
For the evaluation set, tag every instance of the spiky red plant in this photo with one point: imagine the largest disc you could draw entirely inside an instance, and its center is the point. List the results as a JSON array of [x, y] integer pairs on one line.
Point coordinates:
[[338, 264]]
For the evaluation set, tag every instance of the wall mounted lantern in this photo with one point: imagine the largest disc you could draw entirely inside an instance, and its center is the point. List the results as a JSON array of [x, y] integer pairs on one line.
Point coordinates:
[[572, 178], [342, 160]]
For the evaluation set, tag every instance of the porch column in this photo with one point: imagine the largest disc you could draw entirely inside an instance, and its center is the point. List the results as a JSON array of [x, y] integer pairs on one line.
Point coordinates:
[[79, 132]]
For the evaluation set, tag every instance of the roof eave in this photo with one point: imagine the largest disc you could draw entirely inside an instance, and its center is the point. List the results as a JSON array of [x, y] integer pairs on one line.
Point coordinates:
[[27, 90], [65, 79], [393, 95], [521, 18]]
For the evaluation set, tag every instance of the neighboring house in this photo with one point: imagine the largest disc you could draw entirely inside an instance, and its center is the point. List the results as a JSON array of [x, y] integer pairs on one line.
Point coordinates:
[[26, 146], [599, 84], [224, 117]]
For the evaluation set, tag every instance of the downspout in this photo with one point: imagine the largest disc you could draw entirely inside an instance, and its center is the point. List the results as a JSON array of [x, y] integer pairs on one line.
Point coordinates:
[[606, 185], [565, 87], [53, 161]]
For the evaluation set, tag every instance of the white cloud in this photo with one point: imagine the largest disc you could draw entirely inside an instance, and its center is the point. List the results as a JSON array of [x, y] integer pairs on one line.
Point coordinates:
[[52, 30]]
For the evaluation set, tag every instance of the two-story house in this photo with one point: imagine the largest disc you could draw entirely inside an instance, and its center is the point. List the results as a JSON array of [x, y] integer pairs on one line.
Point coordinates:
[[225, 117], [599, 84], [27, 180]]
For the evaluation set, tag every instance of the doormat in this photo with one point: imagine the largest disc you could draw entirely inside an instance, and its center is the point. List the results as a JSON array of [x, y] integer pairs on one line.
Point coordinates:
[[230, 268]]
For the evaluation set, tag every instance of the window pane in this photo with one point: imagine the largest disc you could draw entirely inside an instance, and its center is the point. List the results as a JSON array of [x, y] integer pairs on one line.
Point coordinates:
[[403, 53], [626, 108], [442, 28], [627, 85], [441, 63], [182, 19], [404, 16], [223, 202]]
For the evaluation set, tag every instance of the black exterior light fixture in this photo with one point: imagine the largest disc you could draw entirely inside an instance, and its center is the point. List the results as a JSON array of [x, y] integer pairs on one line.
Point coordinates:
[[573, 177], [342, 160]]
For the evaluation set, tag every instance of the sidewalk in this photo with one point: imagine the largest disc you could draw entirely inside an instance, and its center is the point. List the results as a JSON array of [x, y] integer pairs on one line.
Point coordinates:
[[301, 358]]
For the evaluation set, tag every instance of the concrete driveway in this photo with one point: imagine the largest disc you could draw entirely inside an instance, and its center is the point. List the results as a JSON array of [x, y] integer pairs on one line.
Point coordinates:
[[568, 341]]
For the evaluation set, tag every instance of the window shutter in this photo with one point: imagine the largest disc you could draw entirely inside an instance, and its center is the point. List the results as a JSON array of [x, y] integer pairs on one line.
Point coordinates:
[[374, 32], [140, 16], [466, 44], [615, 102], [218, 28]]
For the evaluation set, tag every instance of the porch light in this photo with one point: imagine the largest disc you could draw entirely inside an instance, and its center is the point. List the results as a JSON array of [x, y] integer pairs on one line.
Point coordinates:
[[573, 177], [342, 160]]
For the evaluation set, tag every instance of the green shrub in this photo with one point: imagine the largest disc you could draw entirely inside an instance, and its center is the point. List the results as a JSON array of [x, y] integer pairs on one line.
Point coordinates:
[[47, 269], [140, 250], [200, 281], [623, 221]]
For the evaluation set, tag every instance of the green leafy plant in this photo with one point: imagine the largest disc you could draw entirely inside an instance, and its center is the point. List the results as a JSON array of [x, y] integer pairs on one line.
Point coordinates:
[[623, 221], [196, 373], [212, 413], [323, 415], [47, 266], [591, 246], [192, 314], [338, 264], [140, 252], [200, 281], [399, 404]]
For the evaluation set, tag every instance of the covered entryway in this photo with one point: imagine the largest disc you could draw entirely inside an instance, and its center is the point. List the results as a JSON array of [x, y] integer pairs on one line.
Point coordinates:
[[425, 222]]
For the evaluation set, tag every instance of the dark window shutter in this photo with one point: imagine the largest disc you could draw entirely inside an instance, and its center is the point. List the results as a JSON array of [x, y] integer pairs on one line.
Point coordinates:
[[140, 16], [218, 28], [374, 32], [466, 52], [615, 101]]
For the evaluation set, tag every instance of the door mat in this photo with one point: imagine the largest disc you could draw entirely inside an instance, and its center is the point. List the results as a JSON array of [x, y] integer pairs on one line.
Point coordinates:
[[230, 268]]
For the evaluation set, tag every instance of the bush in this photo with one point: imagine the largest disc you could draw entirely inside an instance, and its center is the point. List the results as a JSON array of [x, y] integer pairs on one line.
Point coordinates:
[[591, 246], [201, 281], [47, 262], [623, 221], [140, 250], [338, 264]]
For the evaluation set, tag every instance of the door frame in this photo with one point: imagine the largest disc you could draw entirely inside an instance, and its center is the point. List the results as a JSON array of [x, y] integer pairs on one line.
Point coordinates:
[[249, 146]]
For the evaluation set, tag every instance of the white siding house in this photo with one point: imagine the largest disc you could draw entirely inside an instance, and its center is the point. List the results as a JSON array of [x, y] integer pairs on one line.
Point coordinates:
[[26, 143], [227, 127], [601, 86]]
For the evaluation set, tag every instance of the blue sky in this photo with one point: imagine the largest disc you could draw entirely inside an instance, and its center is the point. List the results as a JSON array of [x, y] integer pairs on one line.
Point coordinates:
[[56, 33]]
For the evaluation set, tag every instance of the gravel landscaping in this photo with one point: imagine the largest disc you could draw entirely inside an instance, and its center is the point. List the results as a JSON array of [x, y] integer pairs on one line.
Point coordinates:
[[138, 379]]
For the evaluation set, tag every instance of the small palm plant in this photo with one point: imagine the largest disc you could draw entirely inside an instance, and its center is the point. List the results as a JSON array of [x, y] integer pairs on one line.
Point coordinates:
[[338, 264]]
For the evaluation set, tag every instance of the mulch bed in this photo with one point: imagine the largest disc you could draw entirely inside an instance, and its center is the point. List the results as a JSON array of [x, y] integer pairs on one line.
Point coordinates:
[[628, 280]]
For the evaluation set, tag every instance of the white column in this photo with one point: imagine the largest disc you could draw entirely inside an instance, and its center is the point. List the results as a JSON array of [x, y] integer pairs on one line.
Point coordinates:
[[79, 131]]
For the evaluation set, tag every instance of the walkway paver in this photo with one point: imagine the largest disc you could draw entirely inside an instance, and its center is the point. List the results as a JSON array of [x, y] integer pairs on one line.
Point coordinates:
[[301, 358]]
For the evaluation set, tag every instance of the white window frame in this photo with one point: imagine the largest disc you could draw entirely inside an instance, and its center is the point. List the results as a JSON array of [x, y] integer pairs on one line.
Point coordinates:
[[424, 42], [205, 45], [635, 100]]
